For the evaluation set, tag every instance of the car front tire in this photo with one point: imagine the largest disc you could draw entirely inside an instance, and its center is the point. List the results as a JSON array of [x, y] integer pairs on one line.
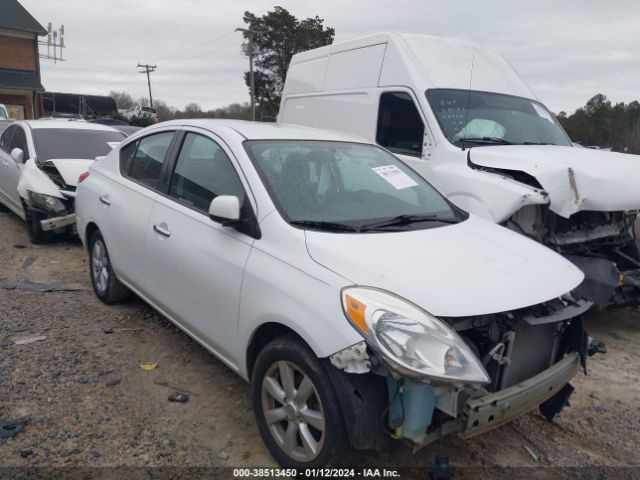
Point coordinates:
[[297, 408], [34, 229], [105, 284]]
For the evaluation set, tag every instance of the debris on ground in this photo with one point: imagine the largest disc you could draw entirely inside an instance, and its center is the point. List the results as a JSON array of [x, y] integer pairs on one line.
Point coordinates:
[[441, 469], [533, 454], [179, 397], [30, 286], [113, 383], [147, 367], [223, 455], [19, 245], [29, 261], [11, 429], [25, 452], [165, 383], [111, 330], [29, 339], [65, 452]]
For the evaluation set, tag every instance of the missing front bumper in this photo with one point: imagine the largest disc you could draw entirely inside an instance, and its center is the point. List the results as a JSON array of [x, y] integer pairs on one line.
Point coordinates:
[[58, 222], [491, 411]]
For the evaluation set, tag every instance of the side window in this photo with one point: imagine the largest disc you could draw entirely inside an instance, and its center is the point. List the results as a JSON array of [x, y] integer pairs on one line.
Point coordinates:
[[400, 128], [19, 140], [142, 161], [5, 139], [203, 171]]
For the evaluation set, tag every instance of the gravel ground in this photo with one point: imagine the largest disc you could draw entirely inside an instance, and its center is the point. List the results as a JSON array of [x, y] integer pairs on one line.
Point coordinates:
[[91, 405]]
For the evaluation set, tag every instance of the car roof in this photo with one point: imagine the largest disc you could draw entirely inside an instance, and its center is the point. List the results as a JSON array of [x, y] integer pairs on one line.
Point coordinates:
[[67, 124], [266, 130]]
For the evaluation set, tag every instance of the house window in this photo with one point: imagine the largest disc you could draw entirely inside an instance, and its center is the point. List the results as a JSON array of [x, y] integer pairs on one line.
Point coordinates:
[[15, 111]]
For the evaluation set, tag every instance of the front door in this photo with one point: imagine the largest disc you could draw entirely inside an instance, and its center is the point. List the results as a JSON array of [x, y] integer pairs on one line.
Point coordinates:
[[13, 137], [195, 265]]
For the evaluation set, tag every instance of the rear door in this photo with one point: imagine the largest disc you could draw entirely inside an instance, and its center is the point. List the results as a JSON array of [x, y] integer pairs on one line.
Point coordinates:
[[127, 202], [195, 265]]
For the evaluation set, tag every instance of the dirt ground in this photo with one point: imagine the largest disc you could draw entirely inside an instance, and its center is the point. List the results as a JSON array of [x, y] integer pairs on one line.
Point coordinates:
[[91, 405]]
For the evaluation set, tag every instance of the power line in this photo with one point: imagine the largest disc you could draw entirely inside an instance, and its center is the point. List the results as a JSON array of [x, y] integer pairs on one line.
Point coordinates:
[[148, 69]]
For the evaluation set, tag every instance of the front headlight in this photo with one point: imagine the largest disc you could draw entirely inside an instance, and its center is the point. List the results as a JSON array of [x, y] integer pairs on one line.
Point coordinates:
[[45, 202], [411, 340]]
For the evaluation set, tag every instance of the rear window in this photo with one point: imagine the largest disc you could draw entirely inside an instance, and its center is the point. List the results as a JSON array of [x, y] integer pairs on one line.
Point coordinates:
[[142, 160], [61, 143]]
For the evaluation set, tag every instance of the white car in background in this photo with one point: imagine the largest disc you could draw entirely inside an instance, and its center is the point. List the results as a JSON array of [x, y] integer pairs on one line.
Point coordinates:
[[357, 300], [4, 114], [40, 161], [141, 111]]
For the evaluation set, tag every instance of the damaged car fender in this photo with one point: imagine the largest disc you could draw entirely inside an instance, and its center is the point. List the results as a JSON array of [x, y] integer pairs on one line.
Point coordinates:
[[32, 179], [490, 196]]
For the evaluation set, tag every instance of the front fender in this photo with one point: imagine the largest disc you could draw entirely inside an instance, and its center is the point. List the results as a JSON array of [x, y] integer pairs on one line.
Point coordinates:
[[35, 180]]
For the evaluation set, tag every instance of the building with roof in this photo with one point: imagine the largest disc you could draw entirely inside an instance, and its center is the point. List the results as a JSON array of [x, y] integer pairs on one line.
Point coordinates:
[[20, 85]]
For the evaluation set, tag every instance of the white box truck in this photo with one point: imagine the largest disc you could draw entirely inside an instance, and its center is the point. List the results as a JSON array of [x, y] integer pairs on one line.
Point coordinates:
[[465, 120]]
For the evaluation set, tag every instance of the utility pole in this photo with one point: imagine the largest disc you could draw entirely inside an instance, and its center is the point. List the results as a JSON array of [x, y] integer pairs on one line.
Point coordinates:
[[248, 49], [148, 69], [55, 39]]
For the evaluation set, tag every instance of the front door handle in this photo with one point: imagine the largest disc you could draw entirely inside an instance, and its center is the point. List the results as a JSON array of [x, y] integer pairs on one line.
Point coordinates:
[[105, 199], [162, 229]]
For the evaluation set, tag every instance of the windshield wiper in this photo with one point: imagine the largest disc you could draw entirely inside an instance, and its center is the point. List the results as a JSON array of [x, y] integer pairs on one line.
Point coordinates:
[[537, 143], [406, 220], [496, 140], [321, 225]]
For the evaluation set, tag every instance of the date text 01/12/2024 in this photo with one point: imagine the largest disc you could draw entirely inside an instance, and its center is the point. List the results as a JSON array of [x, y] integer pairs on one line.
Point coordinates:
[[316, 473]]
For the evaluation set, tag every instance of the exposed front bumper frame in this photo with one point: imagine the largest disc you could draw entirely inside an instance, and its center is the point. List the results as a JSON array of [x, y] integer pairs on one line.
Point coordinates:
[[491, 411], [58, 222]]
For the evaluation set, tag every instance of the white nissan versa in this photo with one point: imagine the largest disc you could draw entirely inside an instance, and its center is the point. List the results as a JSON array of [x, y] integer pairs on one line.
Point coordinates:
[[359, 302]]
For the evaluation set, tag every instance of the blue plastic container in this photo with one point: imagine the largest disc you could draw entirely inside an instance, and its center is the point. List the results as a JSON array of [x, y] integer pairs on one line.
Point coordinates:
[[411, 408]]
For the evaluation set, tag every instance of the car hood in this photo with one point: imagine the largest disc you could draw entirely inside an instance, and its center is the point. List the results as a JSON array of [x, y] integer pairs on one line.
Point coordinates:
[[71, 168], [575, 178], [471, 268]]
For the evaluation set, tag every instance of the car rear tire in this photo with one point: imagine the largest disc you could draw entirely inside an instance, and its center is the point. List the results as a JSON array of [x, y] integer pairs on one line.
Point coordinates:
[[34, 229], [297, 408], [105, 284]]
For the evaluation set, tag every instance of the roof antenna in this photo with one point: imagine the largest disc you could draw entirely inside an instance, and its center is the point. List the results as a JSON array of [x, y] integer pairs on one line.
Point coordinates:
[[466, 115]]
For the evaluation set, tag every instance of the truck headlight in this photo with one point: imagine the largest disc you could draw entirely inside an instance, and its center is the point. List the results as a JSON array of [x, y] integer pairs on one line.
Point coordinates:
[[45, 202], [412, 341]]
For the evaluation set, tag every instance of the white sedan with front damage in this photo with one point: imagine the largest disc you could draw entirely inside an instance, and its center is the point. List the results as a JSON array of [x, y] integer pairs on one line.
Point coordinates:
[[40, 162], [359, 302]]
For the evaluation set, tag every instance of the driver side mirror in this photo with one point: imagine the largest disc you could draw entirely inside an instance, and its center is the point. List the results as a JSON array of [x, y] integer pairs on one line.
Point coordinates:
[[17, 155], [226, 210]]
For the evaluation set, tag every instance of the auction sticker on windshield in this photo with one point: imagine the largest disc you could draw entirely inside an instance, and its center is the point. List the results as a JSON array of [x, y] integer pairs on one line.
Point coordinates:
[[396, 177]]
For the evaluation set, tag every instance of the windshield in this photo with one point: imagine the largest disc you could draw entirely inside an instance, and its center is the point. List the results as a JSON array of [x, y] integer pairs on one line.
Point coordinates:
[[483, 118], [338, 186], [73, 143]]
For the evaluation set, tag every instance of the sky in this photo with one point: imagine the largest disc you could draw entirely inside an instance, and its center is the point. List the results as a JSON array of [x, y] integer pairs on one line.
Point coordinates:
[[567, 51]]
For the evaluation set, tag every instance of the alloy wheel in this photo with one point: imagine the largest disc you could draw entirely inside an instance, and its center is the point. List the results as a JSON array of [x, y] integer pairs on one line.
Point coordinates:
[[293, 411], [100, 266]]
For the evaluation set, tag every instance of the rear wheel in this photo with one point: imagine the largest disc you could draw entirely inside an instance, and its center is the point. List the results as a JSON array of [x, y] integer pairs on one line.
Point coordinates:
[[297, 408], [36, 234], [106, 285]]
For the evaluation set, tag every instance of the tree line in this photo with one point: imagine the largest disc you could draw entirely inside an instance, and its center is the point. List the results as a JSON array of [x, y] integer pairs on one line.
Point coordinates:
[[604, 124]]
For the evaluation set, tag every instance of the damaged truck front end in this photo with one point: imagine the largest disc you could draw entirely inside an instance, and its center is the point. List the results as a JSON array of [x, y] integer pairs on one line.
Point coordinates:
[[462, 375], [586, 208], [602, 244]]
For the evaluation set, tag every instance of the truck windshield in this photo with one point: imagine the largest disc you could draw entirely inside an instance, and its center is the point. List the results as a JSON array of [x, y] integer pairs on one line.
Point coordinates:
[[347, 187], [484, 118], [54, 143]]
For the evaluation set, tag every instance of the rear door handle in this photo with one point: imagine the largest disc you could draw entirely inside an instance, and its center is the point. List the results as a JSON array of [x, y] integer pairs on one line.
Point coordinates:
[[105, 199], [162, 229]]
